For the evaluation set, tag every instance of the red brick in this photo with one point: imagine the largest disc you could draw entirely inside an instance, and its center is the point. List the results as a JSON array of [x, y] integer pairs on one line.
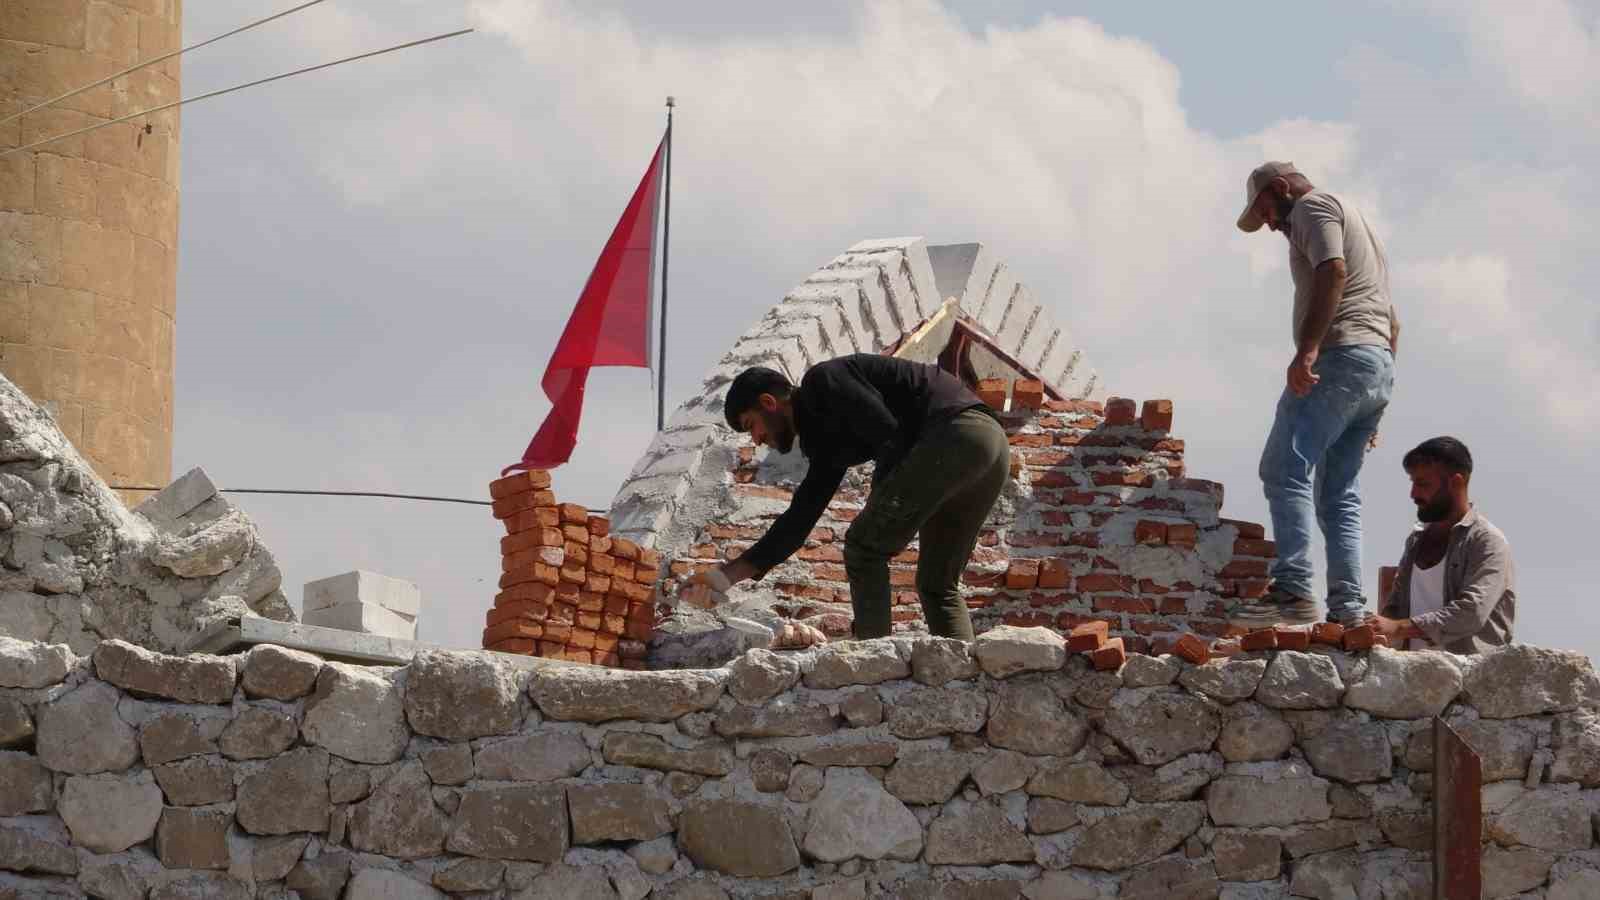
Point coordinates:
[[1244, 568], [1031, 440], [1054, 573], [1120, 411], [520, 609], [516, 628], [1172, 606], [563, 613], [634, 591], [523, 559], [600, 544], [639, 631], [591, 601], [1246, 529], [532, 591], [1133, 605], [577, 655], [1182, 534], [573, 514], [1156, 415], [530, 540], [606, 642], [574, 573], [1086, 407], [613, 624], [1149, 531], [598, 583], [652, 558], [1251, 588], [529, 519], [599, 526], [825, 553], [1026, 393], [604, 658], [1330, 633], [1361, 637], [576, 534], [1088, 636], [515, 645], [1292, 638], [589, 620], [506, 507], [622, 548], [1095, 582], [1190, 648], [576, 553], [1122, 478], [1255, 547], [1022, 574], [1261, 639], [603, 563], [567, 593], [1027, 619], [992, 391], [1110, 656], [551, 649], [616, 603], [538, 572], [530, 480]]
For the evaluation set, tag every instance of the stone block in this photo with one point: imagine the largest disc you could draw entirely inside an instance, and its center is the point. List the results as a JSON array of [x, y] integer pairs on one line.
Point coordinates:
[[258, 732], [110, 813], [174, 733], [16, 724], [287, 794], [25, 786], [779, 718], [399, 818], [27, 664], [80, 732], [36, 844], [1296, 680], [1030, 718], [362, 587], [278, 673], [936, 660], [1078, 782], [760, 675], [845, 663], [522, 823], [194, 837], [1225, 680], [189, 679], [648, 751], [1007, 650], [1279, 794], [356, 713], [592, 694], [616, 812], [196, 781], [1160, 727], [543, 756], [1405, 685], [460, 696], [976, 834], [934, 711], [928, 777], [1519, 680], [386, 884], [1126, 839]]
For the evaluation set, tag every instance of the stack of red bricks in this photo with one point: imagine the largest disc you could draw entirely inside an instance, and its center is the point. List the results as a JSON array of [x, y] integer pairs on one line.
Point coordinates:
[[568, 590], [1104, 515]]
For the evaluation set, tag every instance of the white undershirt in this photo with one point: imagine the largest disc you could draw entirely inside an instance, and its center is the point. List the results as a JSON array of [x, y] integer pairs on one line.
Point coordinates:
[[1427, 595]]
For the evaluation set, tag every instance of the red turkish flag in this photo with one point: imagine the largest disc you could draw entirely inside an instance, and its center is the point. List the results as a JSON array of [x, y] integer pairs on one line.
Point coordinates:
[[610, 326]]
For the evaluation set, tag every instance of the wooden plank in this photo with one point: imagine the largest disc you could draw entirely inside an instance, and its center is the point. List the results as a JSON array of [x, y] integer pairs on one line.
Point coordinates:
[[1457, 816]]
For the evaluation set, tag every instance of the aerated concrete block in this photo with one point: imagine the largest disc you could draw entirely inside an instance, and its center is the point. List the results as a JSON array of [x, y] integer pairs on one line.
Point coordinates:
[[366, 618], [394, 594]]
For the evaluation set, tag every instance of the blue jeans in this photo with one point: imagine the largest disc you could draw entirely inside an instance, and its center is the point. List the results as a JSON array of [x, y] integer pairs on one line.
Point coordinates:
[[1327, 431]]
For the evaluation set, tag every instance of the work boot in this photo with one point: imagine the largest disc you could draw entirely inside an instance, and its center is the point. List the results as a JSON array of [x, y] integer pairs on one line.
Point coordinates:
[[1353, 618], [1274, 608]]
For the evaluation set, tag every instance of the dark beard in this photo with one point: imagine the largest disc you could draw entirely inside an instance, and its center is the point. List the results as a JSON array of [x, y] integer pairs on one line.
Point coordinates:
[[779, 428], [1436, 509], [1284, 204]]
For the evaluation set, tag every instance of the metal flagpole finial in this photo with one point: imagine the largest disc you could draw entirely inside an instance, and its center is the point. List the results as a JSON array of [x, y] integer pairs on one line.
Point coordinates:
[[671, 101]]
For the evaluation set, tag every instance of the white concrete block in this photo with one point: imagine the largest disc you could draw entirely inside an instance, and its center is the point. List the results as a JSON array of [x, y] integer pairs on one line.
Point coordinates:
[[1019, 316], [360, 586], [179, 498], [920, 268], [997, 299], [875, 245], [1057, 358], [962, 271], [829, 316], [1040, 337], [846, 297], [366, 618], [781, 353], [902, 294], [872, 302]]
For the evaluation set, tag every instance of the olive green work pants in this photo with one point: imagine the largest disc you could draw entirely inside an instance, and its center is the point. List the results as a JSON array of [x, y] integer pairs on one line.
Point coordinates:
[[943, 491]]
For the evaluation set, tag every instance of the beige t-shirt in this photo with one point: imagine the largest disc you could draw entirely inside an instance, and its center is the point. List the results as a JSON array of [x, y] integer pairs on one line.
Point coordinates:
[[1322, 226]]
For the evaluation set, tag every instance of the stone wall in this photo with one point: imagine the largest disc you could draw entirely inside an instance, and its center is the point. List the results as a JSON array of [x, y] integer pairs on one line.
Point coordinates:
[[77, 566], [89, 226], [903, 767], [1100, 522]]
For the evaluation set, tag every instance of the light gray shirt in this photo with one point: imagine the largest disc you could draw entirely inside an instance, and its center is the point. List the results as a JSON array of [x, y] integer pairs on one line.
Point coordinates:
[[1324, 226], [1480, 589]]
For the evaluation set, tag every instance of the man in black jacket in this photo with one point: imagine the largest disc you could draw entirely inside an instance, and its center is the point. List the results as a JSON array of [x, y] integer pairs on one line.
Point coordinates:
[[940, 459]]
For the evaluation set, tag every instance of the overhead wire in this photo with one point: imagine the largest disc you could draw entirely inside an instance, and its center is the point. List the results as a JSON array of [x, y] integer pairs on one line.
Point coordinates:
[[238, 87], [159, 59]]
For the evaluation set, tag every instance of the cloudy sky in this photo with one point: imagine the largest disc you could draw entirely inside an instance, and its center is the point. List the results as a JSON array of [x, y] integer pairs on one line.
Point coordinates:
[[376, 260]]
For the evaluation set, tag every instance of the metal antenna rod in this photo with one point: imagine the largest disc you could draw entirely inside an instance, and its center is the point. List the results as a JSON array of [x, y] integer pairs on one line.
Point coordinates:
[[150, 62], [237, 87]]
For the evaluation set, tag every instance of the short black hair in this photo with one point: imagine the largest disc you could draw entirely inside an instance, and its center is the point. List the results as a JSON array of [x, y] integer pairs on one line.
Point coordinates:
[[1444, 451], [748, 388]]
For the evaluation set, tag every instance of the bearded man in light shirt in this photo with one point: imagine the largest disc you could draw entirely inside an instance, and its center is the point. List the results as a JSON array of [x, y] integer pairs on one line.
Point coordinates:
[[1456, 588]]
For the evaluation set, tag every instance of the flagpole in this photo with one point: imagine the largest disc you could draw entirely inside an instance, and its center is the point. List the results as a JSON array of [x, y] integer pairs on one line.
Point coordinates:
[[666, 247]]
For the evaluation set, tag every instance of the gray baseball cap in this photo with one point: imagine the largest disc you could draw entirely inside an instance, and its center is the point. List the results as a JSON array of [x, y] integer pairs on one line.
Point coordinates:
[[1255, 184]]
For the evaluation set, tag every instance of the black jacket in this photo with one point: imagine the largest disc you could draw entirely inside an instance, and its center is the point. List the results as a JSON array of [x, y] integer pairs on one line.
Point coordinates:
[[848, 411]]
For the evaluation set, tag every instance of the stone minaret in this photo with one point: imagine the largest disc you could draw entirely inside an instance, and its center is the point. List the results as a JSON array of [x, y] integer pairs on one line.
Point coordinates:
[[89, 226]]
